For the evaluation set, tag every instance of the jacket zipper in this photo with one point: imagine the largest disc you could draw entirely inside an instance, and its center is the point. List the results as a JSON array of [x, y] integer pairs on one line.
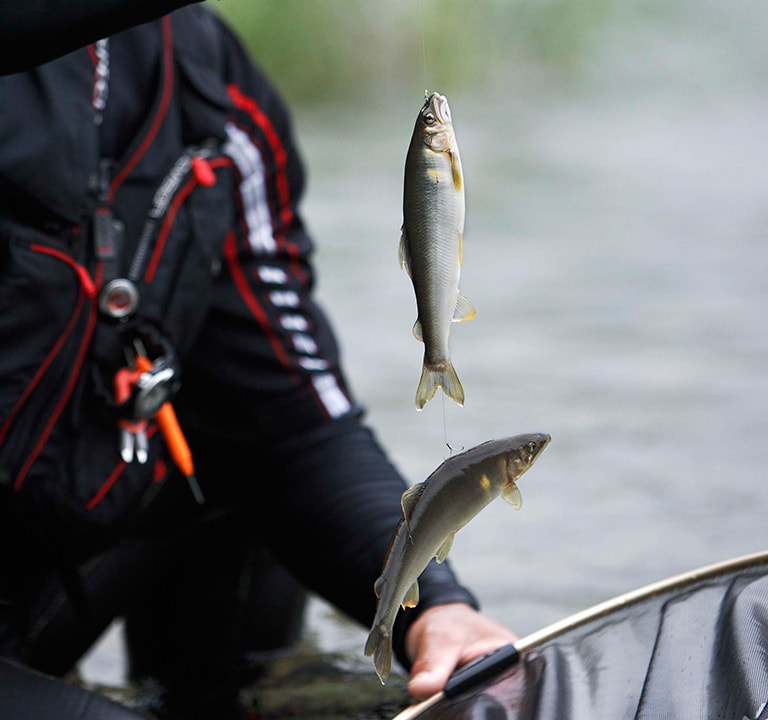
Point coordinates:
[[168, 198]]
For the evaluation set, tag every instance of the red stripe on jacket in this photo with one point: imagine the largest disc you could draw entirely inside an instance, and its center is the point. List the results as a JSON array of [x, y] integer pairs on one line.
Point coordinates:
[[284, 212]]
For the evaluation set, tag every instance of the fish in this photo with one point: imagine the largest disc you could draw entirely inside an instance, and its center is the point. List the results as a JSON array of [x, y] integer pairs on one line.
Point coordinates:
[[431, 241], [433, 512]]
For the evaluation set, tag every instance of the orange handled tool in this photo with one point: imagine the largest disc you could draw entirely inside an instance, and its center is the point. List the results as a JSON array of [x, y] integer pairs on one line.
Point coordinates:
[[174, 437]]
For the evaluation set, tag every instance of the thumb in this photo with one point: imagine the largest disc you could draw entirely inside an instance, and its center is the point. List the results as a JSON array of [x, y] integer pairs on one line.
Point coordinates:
[[431, 668], [445, 636]]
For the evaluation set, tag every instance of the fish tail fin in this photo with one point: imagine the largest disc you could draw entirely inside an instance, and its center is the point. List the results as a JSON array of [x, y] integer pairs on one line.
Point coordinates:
[[435, 376], [379, 644]]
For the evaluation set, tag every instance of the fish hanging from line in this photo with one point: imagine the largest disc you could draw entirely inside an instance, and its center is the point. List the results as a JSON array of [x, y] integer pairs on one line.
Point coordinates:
[[431, 243], [433, 512]]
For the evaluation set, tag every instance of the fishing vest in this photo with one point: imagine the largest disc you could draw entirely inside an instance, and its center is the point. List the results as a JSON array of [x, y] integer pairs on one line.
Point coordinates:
[[100, 262]]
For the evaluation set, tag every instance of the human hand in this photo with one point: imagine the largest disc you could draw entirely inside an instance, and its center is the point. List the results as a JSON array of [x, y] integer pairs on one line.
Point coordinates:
[[445, 637]]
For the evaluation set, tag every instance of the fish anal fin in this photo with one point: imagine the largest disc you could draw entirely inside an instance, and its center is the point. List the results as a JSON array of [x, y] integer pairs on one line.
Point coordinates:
[[411, 598], [445, 548], [511, 493], [464, 310]]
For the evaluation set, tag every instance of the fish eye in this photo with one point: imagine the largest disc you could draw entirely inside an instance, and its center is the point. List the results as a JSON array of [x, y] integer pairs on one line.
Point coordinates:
[[532, 447], [429, 118]]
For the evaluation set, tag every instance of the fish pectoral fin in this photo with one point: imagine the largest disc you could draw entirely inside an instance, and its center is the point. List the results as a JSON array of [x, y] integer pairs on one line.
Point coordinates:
[[464, 309], [408, 502], [418, 333], [458, 180], [445, 548], [511, 493], [404, 252], [411, 598]]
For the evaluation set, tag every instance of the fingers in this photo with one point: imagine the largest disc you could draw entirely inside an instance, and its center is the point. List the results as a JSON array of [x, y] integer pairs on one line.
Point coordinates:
[[445, 637]]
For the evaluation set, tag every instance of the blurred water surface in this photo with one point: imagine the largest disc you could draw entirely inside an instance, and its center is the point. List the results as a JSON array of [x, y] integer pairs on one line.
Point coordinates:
[[615, 250]]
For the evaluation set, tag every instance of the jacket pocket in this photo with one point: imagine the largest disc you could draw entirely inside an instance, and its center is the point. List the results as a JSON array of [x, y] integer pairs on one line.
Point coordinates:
[[59, 455], [47, 317]]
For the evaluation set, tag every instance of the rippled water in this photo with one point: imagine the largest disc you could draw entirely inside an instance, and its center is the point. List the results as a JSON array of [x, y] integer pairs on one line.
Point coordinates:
[[616, 252]]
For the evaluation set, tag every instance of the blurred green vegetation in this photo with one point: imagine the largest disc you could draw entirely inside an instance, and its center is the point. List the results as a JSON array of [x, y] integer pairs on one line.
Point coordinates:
[[329, 50]]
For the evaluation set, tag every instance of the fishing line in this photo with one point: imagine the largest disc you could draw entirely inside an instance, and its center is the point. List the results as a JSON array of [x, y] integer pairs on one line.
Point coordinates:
[[445, 428], [426, 95], [450, 447], [424, 49]]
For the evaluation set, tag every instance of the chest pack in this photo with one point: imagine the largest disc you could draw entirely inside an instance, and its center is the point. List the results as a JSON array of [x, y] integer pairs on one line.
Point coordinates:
[[96, 317]]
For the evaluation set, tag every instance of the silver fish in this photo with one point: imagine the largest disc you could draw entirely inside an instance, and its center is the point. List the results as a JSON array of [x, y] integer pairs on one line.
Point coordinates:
[[433, 511], [431, 243]]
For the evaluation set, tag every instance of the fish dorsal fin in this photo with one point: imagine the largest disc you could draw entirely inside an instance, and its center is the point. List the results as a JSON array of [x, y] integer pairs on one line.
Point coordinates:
[[465, 310], [511, 493], [411, 598], [418, 333], [458, 180], [445, 548], [408, 502], [404, 252]]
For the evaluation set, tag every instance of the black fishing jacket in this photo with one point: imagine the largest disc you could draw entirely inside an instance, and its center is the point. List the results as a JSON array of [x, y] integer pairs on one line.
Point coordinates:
[[162, 157]]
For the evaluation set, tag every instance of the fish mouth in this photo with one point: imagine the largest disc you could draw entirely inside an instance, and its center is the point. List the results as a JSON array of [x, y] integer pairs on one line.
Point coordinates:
[[539, 442], [439, 107], [543, 440]]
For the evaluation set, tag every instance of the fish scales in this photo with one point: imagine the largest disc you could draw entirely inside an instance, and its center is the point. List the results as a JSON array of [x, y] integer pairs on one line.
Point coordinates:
[[433, 511]]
